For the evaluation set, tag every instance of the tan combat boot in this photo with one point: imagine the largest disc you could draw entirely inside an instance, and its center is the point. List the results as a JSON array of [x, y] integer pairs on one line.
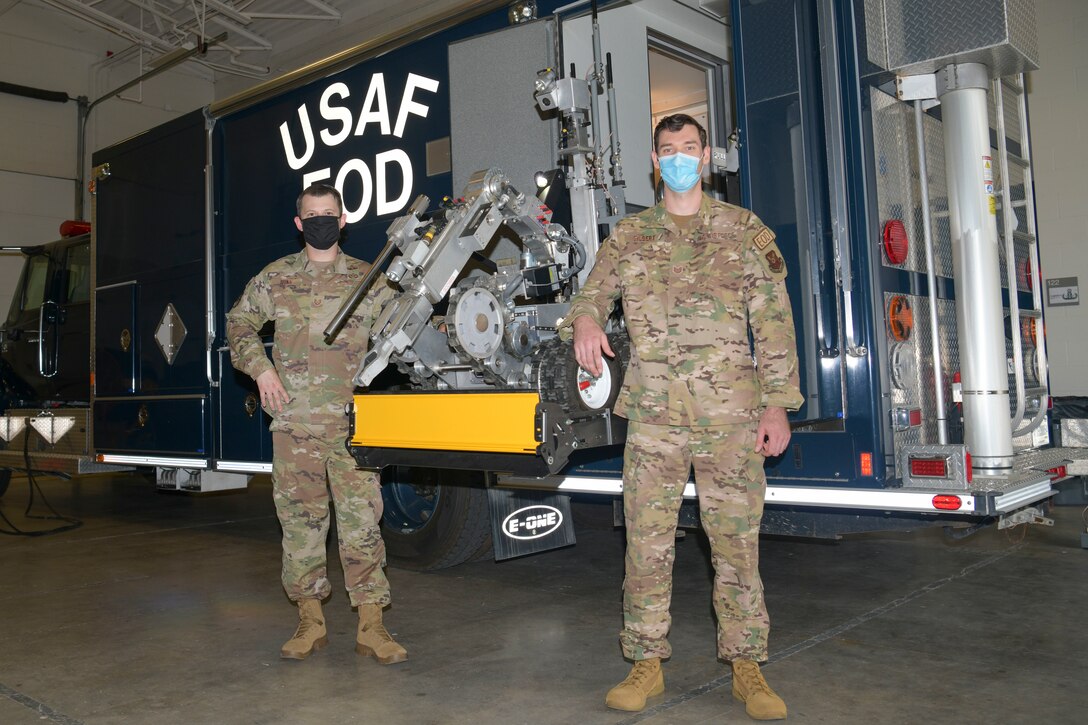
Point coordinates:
[[373, 639], [645, 680], [310, 635], [760, 701]]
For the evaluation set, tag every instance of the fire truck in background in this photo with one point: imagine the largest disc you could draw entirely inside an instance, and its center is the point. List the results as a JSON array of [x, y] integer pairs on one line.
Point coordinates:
[[483, 162]]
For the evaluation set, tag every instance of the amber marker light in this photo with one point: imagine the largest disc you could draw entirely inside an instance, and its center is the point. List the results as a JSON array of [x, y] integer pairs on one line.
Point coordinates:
[[866, 464], [1030, 331], [900, 318]]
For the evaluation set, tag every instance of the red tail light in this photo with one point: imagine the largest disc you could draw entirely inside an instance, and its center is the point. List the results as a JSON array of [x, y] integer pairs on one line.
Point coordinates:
[[929, 467]]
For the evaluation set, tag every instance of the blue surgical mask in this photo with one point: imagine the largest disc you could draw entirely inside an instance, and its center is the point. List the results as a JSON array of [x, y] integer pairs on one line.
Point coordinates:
[[680, 172]]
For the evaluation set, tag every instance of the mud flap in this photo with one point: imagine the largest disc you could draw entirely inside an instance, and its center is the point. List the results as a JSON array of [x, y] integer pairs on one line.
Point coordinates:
[[526, 522]]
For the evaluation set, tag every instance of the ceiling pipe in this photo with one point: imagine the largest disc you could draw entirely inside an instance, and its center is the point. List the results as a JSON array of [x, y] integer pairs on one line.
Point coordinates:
[[162, 64]]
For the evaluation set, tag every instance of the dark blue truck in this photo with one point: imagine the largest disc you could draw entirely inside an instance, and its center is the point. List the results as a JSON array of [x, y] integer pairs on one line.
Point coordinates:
[[839, 109]]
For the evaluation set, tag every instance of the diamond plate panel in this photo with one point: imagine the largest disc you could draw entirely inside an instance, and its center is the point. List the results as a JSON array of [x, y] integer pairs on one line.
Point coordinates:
[[771, 65], [1046, 458], [1011, 112], [76, 442], [913, 383], [1031, 372], [957, 471], [1031, 376], [897, 187], [1074, 432], [1022, 262], [876, 49], [1014, 480], [1023, 31], [924, 35], [933, 133], [1026, 469]]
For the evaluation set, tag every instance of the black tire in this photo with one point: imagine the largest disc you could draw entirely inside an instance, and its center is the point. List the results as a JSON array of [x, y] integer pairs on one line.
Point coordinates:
[[456, 529], [5, 479]]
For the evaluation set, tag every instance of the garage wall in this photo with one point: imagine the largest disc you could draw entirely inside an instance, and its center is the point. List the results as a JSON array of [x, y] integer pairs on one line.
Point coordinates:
[[1058, 103], [45, 49]]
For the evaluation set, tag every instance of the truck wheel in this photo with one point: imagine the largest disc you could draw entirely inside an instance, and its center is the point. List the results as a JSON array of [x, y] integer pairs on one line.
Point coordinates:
[[5, 479], [433, 518]]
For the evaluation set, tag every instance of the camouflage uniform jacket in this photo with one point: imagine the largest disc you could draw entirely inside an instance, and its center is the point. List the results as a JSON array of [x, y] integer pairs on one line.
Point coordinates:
[[301, 298], [688, 301]]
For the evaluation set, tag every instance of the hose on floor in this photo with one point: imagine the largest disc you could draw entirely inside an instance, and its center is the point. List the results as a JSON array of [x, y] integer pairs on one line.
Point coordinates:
[[13, 530]]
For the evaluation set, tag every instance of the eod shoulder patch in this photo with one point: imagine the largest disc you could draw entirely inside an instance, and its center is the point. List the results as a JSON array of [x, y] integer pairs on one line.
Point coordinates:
[[769, 254], [765, 237]]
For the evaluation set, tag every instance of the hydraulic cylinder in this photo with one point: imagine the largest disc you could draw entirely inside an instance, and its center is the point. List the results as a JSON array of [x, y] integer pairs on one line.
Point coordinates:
[[973, 219]]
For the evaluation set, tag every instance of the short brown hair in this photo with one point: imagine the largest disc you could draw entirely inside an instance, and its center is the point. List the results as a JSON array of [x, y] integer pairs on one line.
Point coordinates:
[[674, 123], [320, 189]]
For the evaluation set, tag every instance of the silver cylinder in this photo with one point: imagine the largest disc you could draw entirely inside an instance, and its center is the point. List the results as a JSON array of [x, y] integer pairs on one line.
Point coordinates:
[[973, 221]]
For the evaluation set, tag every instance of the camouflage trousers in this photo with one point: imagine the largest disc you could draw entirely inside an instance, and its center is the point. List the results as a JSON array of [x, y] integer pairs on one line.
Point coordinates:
[[731, 485], [307, 464]]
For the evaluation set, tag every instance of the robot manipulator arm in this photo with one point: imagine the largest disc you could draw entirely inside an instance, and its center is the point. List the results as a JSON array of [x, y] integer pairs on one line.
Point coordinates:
[[433, 258]]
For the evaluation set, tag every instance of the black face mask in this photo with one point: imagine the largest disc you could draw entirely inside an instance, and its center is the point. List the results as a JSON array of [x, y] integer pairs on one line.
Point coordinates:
[[321, 232]]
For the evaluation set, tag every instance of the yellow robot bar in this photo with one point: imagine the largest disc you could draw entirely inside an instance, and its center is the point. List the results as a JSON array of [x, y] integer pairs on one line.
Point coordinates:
[[495, 422]]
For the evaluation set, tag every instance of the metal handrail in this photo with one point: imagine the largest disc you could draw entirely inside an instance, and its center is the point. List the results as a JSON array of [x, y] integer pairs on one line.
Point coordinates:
[[1010, 254], [931, 275]]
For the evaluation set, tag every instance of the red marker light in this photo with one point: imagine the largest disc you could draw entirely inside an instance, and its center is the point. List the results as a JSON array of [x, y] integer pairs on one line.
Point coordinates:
[[896, 243], [74, 227], [1024, 274], [866, 464], [947, 502]]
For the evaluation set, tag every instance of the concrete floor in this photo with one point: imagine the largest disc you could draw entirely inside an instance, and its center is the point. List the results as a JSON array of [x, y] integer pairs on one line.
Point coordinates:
[[167, 609]]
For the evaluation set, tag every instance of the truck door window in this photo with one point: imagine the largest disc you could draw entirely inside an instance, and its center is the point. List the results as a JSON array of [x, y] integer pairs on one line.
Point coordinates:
[[34, 280], [79, 274]]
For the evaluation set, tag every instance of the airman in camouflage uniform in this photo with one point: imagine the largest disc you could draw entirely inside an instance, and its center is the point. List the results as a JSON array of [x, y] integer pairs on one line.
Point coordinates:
[[304, 388], [694, 275]]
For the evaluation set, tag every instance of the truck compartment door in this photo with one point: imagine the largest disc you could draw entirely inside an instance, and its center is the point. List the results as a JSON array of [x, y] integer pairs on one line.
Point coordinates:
[[243, 426], [175, 426], [116, 339]]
